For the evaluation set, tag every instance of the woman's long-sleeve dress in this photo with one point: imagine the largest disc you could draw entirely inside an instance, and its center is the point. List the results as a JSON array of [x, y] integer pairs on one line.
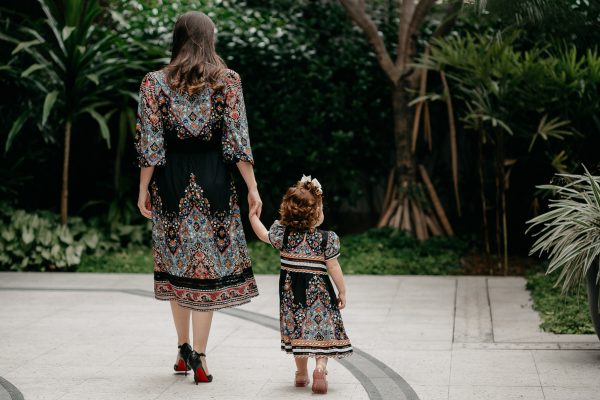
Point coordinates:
[[198, 244]]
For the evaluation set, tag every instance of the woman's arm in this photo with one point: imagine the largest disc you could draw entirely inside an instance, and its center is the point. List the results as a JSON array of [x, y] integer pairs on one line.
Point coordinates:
[[144, 195], [254, 201], [335, 271], [259, 229]]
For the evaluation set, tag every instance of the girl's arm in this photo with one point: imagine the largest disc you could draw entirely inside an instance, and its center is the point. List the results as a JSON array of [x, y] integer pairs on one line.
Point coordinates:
[[259, 228], [144, 195], [335, 271], [254, 201]]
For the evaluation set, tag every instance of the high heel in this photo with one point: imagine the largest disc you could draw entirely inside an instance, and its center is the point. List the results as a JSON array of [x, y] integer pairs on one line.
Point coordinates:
[[319, 385], [182, 363], [301, 382], [199, 372]]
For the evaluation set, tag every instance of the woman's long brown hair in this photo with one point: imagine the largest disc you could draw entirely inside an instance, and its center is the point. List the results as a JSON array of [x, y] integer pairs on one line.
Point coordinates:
[[194, 60]]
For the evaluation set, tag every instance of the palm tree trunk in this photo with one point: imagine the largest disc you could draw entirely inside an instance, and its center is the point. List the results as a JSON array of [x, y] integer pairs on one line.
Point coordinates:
[[64, 196], [484, 216], [404, 160], [120, 150], [503, 201]]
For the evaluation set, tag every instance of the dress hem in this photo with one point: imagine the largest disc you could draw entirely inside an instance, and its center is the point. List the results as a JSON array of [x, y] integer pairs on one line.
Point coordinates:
[[208, 308], [316, 355]]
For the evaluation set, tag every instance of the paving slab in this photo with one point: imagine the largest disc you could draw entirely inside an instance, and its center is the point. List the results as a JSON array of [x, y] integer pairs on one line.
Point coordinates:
[[103, 336]]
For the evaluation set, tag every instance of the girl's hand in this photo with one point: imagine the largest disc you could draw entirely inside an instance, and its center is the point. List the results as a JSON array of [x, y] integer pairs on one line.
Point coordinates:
[[341, 300], [144, 203], [254, 202]]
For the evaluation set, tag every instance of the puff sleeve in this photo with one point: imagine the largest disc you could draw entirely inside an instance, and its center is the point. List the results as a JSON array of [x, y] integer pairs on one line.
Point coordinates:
[[276, 232], [236, 141], [332, 247], [149, 139]]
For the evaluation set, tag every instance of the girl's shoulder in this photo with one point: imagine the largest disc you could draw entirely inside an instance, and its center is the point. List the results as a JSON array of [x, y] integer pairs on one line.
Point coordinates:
[[276, 233], [332, 245], [331, 235]]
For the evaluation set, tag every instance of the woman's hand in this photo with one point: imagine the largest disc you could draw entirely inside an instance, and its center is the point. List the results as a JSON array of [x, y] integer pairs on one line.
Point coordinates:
[[254, 202], [341, 300], [144, 203]]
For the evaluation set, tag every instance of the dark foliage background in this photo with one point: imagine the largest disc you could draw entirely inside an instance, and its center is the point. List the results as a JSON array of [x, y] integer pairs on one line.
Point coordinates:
[[317, 104]]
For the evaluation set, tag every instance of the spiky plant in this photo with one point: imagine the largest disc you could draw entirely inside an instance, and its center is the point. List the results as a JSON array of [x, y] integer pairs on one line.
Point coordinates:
[[569, 233], [76, 65]]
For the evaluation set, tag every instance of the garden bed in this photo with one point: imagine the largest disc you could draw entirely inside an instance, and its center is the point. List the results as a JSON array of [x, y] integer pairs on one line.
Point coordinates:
[[377, 251], [559, 313]]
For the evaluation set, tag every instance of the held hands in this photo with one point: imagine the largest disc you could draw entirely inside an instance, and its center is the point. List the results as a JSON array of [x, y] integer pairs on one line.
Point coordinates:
[[144, 203], [254, 202], [341, 300]]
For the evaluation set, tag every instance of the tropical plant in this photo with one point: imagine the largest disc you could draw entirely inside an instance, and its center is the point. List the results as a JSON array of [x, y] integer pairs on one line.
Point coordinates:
[[405, 205], [37, 241], [573, 21], [76, 66], [569, 232], [511, 100]]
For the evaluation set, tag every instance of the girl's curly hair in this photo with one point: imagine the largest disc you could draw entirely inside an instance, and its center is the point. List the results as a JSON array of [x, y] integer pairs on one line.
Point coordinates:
[[299, 208]]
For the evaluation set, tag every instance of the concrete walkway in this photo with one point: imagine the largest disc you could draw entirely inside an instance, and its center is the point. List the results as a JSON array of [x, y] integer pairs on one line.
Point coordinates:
[[103, 336]]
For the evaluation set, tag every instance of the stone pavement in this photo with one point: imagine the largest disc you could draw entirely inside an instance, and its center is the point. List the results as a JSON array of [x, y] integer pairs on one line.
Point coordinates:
[[102, 336]]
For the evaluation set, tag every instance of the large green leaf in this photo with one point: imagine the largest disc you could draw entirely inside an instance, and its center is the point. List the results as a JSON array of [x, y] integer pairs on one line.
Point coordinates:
[[104, 131], [25, 45], [49, 102], [66, 32], [31, 69], [15, 129]]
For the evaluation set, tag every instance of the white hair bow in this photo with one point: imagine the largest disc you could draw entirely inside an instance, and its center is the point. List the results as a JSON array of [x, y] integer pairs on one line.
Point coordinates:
[[314, 182]]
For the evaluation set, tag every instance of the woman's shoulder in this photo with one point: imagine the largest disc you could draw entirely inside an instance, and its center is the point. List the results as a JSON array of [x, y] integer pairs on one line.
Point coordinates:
[[231, 77], [156, 77]]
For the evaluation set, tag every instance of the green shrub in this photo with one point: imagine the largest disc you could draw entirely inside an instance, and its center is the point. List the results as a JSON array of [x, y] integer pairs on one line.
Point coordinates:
[[380, 252], [385, 252], [36, 241], [559, 313], [133, 259]]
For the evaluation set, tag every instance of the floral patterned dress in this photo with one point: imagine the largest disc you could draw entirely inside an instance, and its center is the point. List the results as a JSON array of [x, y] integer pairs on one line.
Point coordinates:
[[198, 244], [310, 321]]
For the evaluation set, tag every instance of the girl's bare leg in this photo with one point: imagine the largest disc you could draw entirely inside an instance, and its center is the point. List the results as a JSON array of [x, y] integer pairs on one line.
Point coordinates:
[[201, 321], [301, 369], [181, 317], [319, 376], [322, 363]]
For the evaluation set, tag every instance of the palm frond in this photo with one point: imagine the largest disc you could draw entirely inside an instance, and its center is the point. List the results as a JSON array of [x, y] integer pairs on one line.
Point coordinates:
[[569, 233]]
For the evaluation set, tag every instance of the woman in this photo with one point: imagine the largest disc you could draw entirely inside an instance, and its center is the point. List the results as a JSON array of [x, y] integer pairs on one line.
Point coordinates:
[[191, 131]]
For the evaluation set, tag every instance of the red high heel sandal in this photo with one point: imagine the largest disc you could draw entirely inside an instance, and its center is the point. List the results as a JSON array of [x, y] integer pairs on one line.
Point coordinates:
[[199, 372], [183, 356]]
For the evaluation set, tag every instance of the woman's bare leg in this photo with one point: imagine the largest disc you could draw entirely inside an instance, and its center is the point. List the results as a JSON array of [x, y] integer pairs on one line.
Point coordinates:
[[201, 321], [181, 317]]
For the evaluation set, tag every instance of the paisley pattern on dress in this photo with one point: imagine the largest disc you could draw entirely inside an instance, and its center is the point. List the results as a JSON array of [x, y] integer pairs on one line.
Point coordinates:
[[199, 248], [310, 322]]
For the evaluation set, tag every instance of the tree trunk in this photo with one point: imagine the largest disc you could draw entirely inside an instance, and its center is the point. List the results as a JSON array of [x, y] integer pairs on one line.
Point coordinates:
[[404, 162], [484, 206], [64, 196], [120, 150]]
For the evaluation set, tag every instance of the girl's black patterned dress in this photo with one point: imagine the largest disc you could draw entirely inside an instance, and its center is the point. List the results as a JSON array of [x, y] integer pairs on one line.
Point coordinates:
[[310, 320], [200, 254]]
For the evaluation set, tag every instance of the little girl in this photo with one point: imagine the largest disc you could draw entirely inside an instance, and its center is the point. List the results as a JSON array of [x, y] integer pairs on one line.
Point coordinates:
[[310, 319]]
